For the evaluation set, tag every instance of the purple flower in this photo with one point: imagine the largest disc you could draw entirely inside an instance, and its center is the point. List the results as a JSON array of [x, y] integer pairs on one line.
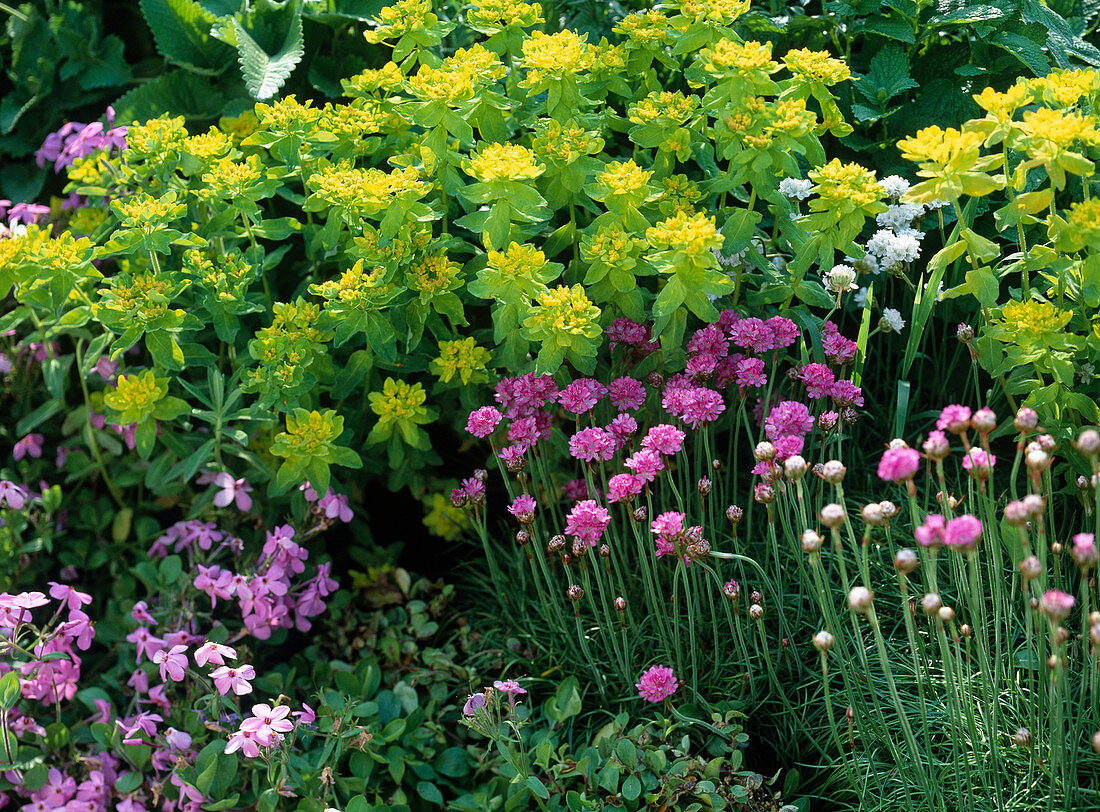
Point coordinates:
[[172, 662], [658, 682], [587, 521], [232, 490], [31, 445], [1056, 604], [664, 439], [624, 487], [473, 705], [626, 394], [523, 508], [12, 494], [788, 417], [581, 395], [819, 380], [483, 421], [592, 444], [962, 532], [954, 418]]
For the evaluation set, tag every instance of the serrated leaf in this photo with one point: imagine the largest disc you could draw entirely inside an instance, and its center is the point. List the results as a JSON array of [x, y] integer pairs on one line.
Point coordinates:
[[264, 74], [890, 27], [1024, 49], [176, 92], [181, 31], [978, 13], [888, 76]]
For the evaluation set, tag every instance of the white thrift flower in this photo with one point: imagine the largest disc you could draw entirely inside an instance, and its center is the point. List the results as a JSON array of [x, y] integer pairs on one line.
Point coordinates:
[[865, 264], [938, 204], [900, 216], [840, 279], [894, 185], [892, 249], [795, 189], [861, 297], [892, 322]]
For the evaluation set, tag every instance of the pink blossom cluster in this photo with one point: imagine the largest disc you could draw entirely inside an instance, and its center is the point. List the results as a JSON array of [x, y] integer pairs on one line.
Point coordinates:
[[75, 140], [587, 522], [962, 532], [657, 683], [266, 727], [633, 336], [53, 672]]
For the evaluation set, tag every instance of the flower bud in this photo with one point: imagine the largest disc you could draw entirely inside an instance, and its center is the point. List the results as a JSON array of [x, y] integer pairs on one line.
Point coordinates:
[[872, 514], [946, 613], [1022, 737], [930, 604], [756, 611], [823, 641], [1082, 483], [703, 486], [833, 471], [556, 544], [964, 630], [859, 599], [1094, 635], [764, 493], [522, 537], [574, 592], [1096, 741], [1036, 459], [795, 467], [655, 379], [1030, 568], [1016, 513], [826, 421], [811, 541], [481, 475], [716, 465], [849, 415], [764, 452], [640, 514], [734, 514], [1088, 442], [832, 516], [605, 551], [906, 561], [1034, 504], [889, 510], [756, 597], [965, 333], [1046, 442], [580, 549], [937, 446], [1027, 420], [731, 589], [620, 604], [983, 421]]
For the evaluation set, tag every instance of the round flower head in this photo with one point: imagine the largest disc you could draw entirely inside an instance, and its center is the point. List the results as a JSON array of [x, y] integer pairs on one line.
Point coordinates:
[[657, 682], [664, 439], [979, 463], [840, 279], [592, 444], [962, 532], [587, 521], [954, 418], [483, 421], [624, 487], [1056, 604], [930, 534], [1084, 550], [898, 464]]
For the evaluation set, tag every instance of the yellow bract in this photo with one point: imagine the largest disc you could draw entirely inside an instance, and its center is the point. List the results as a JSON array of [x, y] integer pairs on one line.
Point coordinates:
[[838, 183], [564, 309], [399, 400], [693, 233], [435, 273], [462, 357], [816, 65], [504, 162], [743, 57], [288, 115], [136, 395], [555, 56]]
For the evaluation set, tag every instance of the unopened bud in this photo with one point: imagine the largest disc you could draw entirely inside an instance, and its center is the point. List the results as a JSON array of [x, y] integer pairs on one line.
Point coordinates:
[[947, 614], [906, 561], [889, 510], [574, 592], [1022, 737], [795, 467], [1027, 420], [756, 597], [764, 452], [734, 514], [556, 544], [1096, 741], [1016, 513], [811, 541], [640, 514], [931, 603], [872, 514], [834, 471], [1088, 442], [859, 599], [605, 551], [983, 421], [756, 611], [1030, 568], [522, 537], [823, 641], [704, 486], [965, 333], [964, 630], [832, 516], [620, 604], [764, 493]]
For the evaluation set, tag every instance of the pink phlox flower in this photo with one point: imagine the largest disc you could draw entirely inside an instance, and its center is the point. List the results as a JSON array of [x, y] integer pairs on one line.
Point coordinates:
[[235, 679], [962, 532], [626, 394], [177, 739], [664, 439], [819, 380], [29, 446], [482, 422], [268, 724], [103, 711], [72, 599], [232, 491], [624, 487], [787, 417], [172, 662], [645, 464], [308, 493], [510, 688], [58, 790], [581, 395], [215, 582], [139, 681], [336, 506], [158, 696], [592, 444], [954, 418], [143, 722], [587, 521], [11, 494], [27, 213], [106, 368], [211, 652], [306, 715], [846, 393], [273, 581], [245, 741], [128, 804], [145, 642], [657, 683], [898, 464], [79, 629]]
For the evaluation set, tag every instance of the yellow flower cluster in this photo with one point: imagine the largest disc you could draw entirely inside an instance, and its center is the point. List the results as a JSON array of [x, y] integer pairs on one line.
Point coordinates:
[[680, 194], [1003, 105], [1032, 322], [208, 145], [692, 233], [367, 190], [87, 219], [445, 520], [308, 433], [135, 396], [564, 143], [745, 58], [288, 115], [479, 59], [724, 12], [1065, 88], [462, 357], [554, 56], [500, 14], [519, 262], [938, 146], [664, 107], [226, 281], [388, 78], [294, 320], [565, 309], [403, 17], [140, 299], [435, 273], [357, 120], [504, 162], [624, 177], [399, 400], [1060, 128], [46, 254], [649, 29], [155, 137], [442, 84], [355, 288], [816, 66], [401, 248], [228, 179], [142, 210], [838, 184], [239, 127], [611, 246]]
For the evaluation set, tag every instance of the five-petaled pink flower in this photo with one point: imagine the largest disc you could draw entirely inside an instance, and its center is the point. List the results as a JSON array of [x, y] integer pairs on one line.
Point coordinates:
[[268, 724], [236, 679], [213, 653], [232, 490], [29, 446], [172, 662]]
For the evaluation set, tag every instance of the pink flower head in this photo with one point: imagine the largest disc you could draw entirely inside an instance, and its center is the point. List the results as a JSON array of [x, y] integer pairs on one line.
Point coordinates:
[[592, 444], [336, 506], [645, 464], [838, 349], [12, 495], [709, 340], [751, 334], [587, 521], [213, 653], [784, 332], [622, 428], [306, 715], [664, 439], [657, 683], [172, 662], [513, 457], [962, 532], [474, 704], [979, 463], [788, 446], [703, 406], [632, 335], [1056, 604], [1084, 550], [624, 487], [245, 741], [483, 421], [787, 417], [819, 380], [509, 687], [930, 534], [523, 508], [232, 490], [29, 446], [237, 679], [954, 418], [898, 464], [846, 393], [268, 724], [626, 394], [576, 489], [749, 373], [72, 599], [581, 395], [668, 524], [937, 446]]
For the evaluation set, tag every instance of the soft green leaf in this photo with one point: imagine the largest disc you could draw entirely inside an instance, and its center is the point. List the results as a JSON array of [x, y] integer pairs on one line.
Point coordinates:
[[265, 73]]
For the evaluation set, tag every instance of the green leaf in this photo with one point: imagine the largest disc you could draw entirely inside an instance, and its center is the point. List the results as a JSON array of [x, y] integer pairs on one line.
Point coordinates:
[[983, 285], [888, 76], [181, 30], [264, 74], [9, 690], [537, 787], [632, 788], [430, 793], [891, 27], [176, 92]]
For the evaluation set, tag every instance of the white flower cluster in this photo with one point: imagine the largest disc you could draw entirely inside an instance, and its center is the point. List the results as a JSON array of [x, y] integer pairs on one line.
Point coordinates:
[[795, 189], [892, 248], [894, 185], [892, 321], [840, 279], [900, 217]]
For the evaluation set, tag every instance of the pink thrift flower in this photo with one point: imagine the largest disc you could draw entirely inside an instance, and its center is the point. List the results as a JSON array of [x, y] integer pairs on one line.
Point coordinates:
[[709, 340], [954, 418], [483, 421], [576, 489], [668, 524], [979, 463], [846, 393], [930, 534], [626, 394], [237, 679], [664, 439], [751, 334], [645, 464], [962, 532], [838, 349], [898, 464], [622, 428], [788, 446], [587, 521], [788, 417], [819, 380], [624, 487], [31, 446], [592, 444], [1056, 604], [523, 508], [749, 373], [213, 653], [1084, 550], [657, 683], [702, 406], [232, 490], [784, 332], [581, 395]]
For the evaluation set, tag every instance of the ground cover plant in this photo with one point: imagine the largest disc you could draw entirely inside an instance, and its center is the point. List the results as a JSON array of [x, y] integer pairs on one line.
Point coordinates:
[[743, 391]]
